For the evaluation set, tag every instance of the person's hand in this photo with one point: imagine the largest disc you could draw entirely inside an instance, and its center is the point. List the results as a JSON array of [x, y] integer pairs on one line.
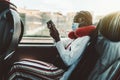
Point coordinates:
[[53, 32]]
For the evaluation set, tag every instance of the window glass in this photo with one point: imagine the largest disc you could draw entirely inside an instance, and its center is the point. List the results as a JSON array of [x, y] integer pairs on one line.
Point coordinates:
[[35, 14], [36, 27]]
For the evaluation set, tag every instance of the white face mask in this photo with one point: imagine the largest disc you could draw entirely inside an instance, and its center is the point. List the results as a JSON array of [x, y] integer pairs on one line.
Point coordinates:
[[75, 26]]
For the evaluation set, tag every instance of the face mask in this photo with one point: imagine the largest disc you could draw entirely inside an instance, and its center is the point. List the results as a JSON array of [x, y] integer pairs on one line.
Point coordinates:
[[75, 26]]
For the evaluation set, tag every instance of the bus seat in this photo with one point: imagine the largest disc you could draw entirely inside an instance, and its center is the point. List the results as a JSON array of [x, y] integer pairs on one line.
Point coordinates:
[[117, 73], [11, 31]]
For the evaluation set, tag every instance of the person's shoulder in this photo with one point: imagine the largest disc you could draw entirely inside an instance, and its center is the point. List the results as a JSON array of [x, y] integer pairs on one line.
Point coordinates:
[[84, 37]]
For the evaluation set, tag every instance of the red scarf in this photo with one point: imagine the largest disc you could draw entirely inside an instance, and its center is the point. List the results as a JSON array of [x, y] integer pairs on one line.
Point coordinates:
[[80, 32]]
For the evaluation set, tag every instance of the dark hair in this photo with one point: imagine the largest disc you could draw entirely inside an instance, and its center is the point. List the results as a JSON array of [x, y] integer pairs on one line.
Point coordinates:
[[85, 16]]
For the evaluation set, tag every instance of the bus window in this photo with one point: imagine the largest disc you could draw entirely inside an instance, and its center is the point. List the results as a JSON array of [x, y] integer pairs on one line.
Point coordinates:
[[35, 14]]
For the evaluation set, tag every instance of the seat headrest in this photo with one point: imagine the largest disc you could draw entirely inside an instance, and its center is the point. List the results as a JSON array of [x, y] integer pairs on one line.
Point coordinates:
[[11, 28], [109, 26], [80, 32]]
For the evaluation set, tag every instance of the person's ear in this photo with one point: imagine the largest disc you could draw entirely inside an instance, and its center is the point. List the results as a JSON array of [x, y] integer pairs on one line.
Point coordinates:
[[80, 20]]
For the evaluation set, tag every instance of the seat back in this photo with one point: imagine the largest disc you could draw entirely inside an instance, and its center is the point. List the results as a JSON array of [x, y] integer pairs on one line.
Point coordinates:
[[117, 75], [116, 72], [11, 31], [88, 60]]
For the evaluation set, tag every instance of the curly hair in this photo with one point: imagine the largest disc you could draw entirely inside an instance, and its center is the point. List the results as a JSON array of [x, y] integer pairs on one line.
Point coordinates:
[[84, 16]]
